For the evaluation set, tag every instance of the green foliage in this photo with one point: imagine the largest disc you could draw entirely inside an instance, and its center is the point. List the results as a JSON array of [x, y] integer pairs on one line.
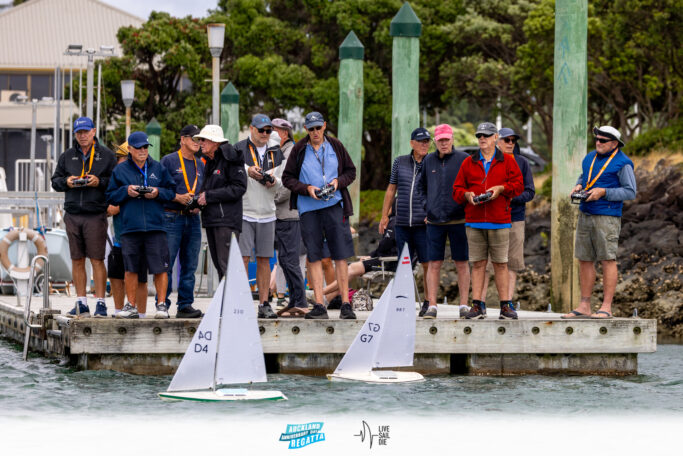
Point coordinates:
[[546, 188], [371, 202], [667, 138]]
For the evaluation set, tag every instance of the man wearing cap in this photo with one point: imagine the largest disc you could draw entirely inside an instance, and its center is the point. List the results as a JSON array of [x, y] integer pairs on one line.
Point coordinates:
[[318, 172], [410, 204], [288, 233], [181, 220], [492, 173], [140, 186], [262, 163], [83, 173], [221, 193], [445, 218], [508, 143], [608, 180]]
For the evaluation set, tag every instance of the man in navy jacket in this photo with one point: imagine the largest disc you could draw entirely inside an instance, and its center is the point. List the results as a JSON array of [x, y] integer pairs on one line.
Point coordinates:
[[140, 186]]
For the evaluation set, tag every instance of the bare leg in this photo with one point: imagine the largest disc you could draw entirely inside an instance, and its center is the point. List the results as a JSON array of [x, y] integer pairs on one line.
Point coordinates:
[[500, 276], [78, 274], [478, 272], [609, 283], [160, 285], [355, 269], [131, 281], [485, 287], [99, 273], [118, 292], [463, 269], [328, 270], [586, 281], [342, 273], [425, 282], [512, 280], [262, 278], [315, 269], [141, 295], [433, 281]]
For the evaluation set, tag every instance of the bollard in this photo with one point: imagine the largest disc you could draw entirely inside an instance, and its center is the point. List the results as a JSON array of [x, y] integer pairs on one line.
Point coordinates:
[[153, 130], [230, 112]]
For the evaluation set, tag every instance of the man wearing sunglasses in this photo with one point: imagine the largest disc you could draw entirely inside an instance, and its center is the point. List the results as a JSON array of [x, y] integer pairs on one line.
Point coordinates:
[[140, 186], [318, 162], [508, 143], [263, 163], [608, 180], [492, 173]]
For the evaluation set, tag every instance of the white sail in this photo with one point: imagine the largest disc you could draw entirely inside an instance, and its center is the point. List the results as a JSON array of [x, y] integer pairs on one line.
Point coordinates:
[[240, 354], [197, 367]]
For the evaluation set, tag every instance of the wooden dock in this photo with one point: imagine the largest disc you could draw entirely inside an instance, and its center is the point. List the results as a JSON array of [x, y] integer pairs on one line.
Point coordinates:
[[537, 343]]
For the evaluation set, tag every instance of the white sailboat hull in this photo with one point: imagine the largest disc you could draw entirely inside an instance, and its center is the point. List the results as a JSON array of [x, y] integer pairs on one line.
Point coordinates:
[[378, 377], [219, 396]]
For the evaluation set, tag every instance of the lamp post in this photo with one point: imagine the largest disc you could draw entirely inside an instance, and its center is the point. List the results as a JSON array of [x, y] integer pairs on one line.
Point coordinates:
[[128, 94], [77, 50], [34, 114], [47, 139], [216, 33]]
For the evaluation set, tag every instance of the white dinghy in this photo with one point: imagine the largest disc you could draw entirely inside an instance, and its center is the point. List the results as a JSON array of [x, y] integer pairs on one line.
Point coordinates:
[[387, 339], [226, 348]]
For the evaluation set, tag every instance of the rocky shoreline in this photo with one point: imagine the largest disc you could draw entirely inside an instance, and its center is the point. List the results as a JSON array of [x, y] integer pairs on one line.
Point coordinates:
[[650, 255]]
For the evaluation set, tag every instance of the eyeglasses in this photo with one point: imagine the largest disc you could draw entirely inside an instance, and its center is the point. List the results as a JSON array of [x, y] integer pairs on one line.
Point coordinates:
[[603, 140], [319, 127], [510, 140], [145, 147], [265, 130], [194, 140], [482, 135], [424, 141]]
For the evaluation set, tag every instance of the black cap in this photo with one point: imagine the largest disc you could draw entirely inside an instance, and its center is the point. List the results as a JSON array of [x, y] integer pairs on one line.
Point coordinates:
[[419, 134], [189, 130]]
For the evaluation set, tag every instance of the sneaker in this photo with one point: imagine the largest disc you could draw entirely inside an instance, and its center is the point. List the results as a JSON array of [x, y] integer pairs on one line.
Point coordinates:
[[100, 310], [477, 312], [346, 312], [336, 303], [83, 309], [128, 311], [162, 311], [319, 312], [423, 310], [265, 311], [188, 312], [464, 310], [507, 313], [431, 313], [281, 303]]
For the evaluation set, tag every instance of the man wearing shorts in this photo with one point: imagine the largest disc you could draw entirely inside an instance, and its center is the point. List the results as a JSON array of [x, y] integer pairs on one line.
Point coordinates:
[[83, 173], [496, 175], [262, 163], [607, 178], [318, 162], [140, 186]]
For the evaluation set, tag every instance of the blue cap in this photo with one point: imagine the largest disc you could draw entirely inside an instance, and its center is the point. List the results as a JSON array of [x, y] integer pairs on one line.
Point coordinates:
[[83, 123], [138, 139], [419, 134], [260, 121], [314, 119], [507, 132]]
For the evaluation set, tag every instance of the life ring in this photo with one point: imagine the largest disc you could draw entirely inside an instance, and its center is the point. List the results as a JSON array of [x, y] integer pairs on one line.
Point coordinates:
[[15, 271]]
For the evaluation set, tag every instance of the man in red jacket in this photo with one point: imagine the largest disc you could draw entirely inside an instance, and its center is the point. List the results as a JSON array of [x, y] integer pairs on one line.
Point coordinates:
[[487, 181]]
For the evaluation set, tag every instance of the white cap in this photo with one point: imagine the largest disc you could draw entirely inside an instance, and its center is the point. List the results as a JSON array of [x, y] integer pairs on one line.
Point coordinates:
[[212, 133], [610, 132]]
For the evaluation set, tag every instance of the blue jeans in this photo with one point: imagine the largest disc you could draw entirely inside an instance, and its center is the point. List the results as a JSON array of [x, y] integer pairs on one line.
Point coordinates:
[[184, 241]]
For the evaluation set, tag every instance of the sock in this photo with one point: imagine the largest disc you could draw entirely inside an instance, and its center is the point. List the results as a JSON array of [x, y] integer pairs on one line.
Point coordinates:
[[141, 315], [83, 300], [432, 307], [464, 306], [101, 301], [116, 311]]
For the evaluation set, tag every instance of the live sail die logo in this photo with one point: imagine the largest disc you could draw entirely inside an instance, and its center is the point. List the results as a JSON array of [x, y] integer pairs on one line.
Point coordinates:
[[301, 435], [366, 434]]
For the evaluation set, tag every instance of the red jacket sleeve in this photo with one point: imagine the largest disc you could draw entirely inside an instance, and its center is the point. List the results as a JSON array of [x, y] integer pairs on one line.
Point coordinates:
[[460, 183], [514, 183]]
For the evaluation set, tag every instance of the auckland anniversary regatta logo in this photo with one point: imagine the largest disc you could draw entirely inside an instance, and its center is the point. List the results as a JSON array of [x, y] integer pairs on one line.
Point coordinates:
[[301, 435]]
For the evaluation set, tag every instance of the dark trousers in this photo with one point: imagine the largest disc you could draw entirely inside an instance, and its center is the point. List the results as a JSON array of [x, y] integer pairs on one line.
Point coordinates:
[[218, 238], [288, 240]]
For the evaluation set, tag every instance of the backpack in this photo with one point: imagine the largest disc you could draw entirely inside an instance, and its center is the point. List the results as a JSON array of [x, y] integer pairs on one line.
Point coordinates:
[[361, 301]]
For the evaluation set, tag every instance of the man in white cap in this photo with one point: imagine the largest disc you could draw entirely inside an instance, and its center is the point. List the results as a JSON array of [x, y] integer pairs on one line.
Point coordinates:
[[220, 196], [606, 181]]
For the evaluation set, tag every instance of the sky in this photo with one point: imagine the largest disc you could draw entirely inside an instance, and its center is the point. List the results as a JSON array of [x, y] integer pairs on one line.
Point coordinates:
[[178, 8]]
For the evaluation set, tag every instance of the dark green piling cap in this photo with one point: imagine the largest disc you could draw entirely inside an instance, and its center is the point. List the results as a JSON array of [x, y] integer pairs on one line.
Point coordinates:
[[351, 48], [153, 127], [405, 23], [230, 94]]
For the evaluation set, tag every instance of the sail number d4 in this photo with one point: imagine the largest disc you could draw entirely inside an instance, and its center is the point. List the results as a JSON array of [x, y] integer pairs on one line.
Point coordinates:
[[199, 348]]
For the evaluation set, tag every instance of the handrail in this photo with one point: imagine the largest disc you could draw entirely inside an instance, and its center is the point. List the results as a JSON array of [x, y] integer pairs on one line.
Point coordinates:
[[46, 299]]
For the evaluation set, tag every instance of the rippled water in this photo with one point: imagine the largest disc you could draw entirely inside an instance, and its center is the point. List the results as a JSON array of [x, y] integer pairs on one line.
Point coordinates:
[[43, 386]]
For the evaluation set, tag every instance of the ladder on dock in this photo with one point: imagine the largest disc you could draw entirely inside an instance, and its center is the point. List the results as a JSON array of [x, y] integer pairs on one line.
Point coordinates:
[[28, 326]]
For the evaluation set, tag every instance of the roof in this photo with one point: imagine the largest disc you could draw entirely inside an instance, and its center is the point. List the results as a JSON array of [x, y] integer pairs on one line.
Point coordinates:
[[35, 34]]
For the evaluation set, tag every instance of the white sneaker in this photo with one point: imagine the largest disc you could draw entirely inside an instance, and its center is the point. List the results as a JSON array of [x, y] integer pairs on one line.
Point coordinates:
[[128, 311], [161, 311]]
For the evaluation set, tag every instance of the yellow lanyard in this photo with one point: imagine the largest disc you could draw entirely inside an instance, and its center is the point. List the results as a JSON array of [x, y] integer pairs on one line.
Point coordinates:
[[92, 155], [182, 166], [590, 171], [256, 162]]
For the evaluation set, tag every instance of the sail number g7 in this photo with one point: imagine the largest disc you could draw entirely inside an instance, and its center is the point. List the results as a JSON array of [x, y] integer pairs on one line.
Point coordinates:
[[372, 327]]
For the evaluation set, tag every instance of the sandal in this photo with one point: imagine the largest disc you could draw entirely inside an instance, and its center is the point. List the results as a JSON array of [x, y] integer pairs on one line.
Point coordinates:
[[601, 312], [292, 312], [575, 315]]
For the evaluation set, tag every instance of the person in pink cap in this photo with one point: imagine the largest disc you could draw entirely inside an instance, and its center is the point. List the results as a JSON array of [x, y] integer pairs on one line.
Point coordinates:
[[445, 218]]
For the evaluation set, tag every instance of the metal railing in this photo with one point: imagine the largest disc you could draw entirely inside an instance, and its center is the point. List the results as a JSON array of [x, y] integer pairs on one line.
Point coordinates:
[[28, 327], [22, 175]]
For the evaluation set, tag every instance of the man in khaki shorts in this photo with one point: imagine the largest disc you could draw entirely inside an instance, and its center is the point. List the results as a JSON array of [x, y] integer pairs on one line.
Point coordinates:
[[607, 180], [508, 143], [487, 181]]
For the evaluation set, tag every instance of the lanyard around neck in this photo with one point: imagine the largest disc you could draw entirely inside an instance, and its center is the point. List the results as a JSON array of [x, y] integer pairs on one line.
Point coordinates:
[[322, 162], [590, 171], [187, 182], [144, 173], [92, 155], [256, 161]]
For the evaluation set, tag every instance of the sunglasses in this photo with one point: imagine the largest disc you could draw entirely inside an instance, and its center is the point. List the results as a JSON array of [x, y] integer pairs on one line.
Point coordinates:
[[265, 130], [603, 140], [141, 147], [510, 140], [194, 140], [424, 141], [482, 135], [319, 127]]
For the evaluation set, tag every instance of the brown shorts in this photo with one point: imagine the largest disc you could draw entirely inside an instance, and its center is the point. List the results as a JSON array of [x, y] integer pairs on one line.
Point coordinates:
[[87, 235], [516, 249], [597, 237], [483, 243]]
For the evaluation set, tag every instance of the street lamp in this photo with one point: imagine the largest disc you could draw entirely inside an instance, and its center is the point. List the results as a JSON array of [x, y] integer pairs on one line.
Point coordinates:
[[216, 33], [34, 109], [128, 94], [77, 50]]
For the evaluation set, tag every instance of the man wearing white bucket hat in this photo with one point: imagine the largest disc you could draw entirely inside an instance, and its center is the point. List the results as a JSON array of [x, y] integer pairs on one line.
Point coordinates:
[[220, 196], [606, 181]]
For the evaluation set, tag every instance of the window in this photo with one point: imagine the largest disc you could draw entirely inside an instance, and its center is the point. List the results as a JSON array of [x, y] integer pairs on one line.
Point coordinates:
[[18, 82], [41, 86]]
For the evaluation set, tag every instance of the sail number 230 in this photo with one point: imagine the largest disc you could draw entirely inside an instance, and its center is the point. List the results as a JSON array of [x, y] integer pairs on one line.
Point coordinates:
[[373, 327]]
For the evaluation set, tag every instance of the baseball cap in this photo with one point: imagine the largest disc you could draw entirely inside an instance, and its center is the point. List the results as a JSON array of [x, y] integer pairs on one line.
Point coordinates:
[[281, 123], [137, 139], [609, 132], [507, 132], [83, 123], [486, 128], [189, 130], [443, 131], [260, 121], [419, 134], [314, 119]]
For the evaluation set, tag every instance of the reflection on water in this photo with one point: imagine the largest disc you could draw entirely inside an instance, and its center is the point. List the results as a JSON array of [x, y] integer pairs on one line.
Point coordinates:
[[43, 386]]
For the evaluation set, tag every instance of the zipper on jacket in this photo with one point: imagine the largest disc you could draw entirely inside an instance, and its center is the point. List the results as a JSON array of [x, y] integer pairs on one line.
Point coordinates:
[[412, 188], [220, 205]]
